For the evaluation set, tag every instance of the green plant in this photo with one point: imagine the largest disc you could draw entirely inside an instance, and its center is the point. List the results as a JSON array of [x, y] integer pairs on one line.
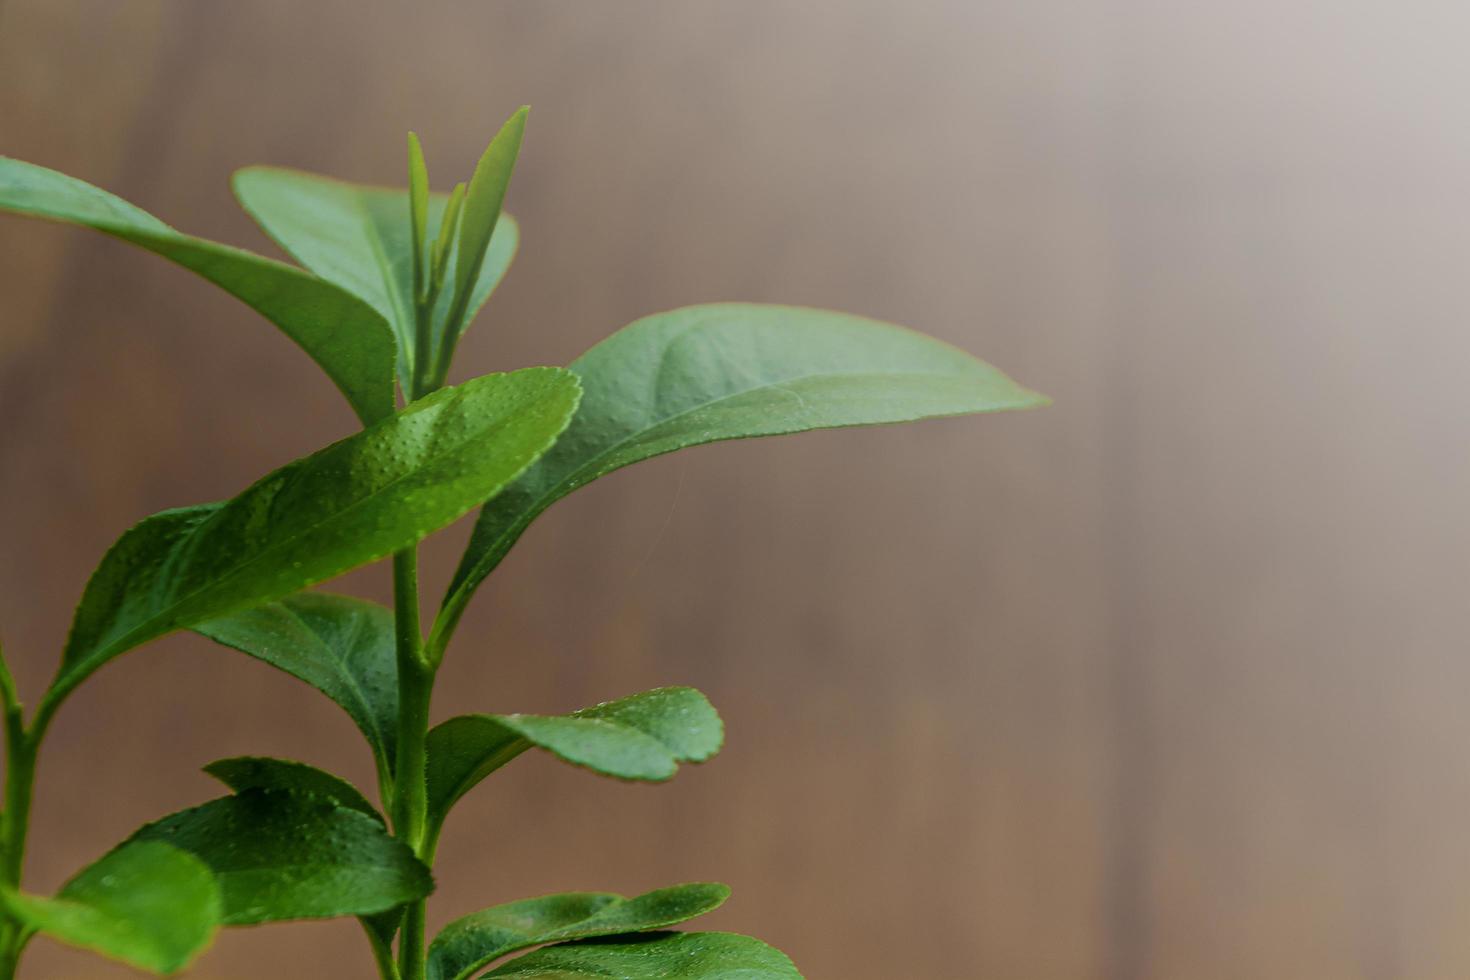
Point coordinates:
[[389, 279]]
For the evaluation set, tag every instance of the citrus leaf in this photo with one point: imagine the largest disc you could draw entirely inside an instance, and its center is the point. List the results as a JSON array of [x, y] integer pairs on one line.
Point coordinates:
[[730, 371], [350, 341], [668, 956], [279, 855], [482, 200], [242, 773], [349, 504], [641, 737], [344, 647], [360, 238], [470, 943], [147, 904]]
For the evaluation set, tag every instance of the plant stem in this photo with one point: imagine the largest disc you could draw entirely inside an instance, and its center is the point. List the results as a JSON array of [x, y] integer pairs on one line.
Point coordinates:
[[410, 802], [21, 748], [382, 955]]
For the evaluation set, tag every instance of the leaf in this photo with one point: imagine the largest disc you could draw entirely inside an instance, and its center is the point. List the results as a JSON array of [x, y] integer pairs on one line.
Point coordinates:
[[730, 371], [350, 342], [418, 207], [242, 773], [643, 737], [280, 855], [149, 905], [669, 956], [351, 503], [344, 647], [470, 943], [482, 202], [359, 237]]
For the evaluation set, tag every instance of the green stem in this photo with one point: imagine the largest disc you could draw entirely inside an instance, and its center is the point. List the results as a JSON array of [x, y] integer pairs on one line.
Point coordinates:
[[410, 794], [21, 748], [382, 955]]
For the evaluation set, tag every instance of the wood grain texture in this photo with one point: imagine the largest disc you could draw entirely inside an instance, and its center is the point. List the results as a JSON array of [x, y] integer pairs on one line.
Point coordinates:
[[1166, 681]]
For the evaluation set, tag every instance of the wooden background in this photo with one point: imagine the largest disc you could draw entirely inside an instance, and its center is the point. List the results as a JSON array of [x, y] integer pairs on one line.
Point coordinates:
[[1168, 681]]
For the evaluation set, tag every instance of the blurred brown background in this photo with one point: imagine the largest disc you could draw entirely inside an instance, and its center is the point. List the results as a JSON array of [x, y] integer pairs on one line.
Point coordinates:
[[1168, 681]]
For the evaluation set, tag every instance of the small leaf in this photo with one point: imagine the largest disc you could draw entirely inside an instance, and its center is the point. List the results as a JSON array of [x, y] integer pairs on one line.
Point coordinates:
[[149, 905], [243, 773], [418, 209], [350, 342], [642, 737], [477, 223], [730, 371], [470, 943], [280, 855], [344, 647], [349, 504], [359, 237], [668, 956]]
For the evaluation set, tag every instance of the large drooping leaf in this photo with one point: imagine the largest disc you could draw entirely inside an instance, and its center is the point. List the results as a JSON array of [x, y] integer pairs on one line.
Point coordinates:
[[350, 341], [669, 956], [280, 855], [243, 773], [729, 371], [342, 646], [351, 503], [468, 944], [643, 737], [360, 238], [147, 904]]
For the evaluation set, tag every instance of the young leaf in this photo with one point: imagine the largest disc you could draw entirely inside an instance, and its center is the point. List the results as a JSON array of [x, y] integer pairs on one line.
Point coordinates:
[[418, 209], [350, 342], [351, 503], [340, 645], [470, 943], [149, 905], [243, 773], [667, 956], [359, 237], [643, 737], [730, 371], [482, 202], [280, 855]]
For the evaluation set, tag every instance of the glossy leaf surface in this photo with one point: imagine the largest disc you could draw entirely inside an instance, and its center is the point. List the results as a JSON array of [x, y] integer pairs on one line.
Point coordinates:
[[349, 504], [359, 237], [731, 371], [340, 645], [671, 956], [345, 336], [149, 905], [279, 855], [242, 773], [642, 737], [471, 943]]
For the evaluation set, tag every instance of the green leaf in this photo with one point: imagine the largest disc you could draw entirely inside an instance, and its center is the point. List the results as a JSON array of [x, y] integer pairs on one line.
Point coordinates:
[[149, 905], [242, 773], [477, 223], [670, 956], [418, 208], [470, 943], [350, 342], [730, 371], [344, 647], [360, 238], [643, 737], [351, 503], [280, 855]]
